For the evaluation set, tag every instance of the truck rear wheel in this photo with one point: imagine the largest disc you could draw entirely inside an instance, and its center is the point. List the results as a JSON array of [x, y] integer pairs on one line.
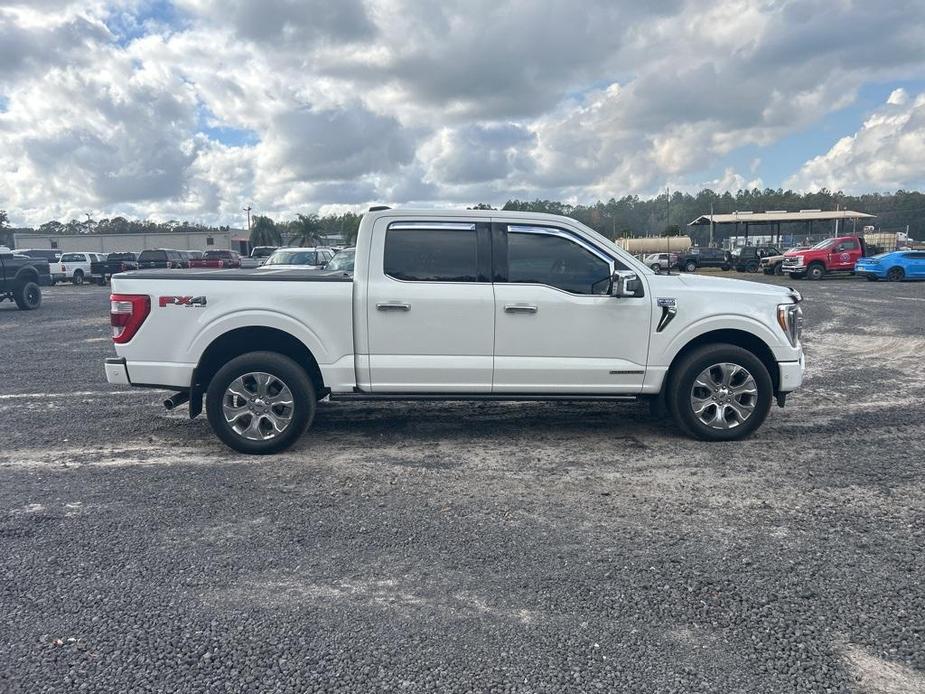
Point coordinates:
[[28, 296], [719, 392], [260, 402]]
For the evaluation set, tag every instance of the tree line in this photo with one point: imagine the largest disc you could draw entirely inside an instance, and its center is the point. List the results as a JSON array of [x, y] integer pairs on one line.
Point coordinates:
[[629, 215]]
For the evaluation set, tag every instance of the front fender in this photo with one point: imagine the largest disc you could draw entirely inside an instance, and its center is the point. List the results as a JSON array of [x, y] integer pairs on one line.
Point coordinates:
[[778, 345]]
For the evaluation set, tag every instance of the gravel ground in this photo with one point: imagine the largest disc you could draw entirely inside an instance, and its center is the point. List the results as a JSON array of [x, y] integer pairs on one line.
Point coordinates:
[[465, 546]]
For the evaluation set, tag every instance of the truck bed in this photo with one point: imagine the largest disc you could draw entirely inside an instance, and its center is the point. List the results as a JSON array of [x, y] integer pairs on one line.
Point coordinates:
[[241, 274]]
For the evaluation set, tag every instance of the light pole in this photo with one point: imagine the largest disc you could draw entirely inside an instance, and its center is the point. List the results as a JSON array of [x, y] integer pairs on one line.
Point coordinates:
[[248, 210]]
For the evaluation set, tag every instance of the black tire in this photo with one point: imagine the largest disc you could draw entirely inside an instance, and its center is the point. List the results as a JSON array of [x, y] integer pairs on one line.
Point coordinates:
[[778, 269], [895, 274], [690, 266], [287, 372], [28, 296], [751, 266], [656, 268], [725, 268], [797, 275], [681, 383], [78, 278], [815, 272], [101, 281]]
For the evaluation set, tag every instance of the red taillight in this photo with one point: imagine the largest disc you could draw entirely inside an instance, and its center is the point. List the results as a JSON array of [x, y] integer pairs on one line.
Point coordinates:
[[126, 314]]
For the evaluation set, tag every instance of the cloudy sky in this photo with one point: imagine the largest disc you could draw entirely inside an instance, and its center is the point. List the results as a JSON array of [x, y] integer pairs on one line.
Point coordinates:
[[194, 108]]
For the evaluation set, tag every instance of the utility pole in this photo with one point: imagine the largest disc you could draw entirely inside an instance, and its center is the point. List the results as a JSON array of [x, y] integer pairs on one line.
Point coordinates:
[[668, 224], [248, 210]]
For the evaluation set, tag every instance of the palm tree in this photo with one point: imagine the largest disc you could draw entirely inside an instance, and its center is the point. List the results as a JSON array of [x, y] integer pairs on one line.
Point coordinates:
[[306, 230], [264, 232]]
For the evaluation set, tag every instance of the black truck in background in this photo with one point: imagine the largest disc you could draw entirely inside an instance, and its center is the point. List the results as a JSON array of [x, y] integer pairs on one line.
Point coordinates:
[[21, 279], [103, 270]]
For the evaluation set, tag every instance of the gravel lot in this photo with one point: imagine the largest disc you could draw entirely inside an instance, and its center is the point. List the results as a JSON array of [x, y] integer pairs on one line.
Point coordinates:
[[465, 546]]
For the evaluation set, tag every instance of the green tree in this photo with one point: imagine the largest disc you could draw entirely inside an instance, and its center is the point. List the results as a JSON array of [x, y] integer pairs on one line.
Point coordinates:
[[305, 230], [672, 230], [264, 232], [4, 219]]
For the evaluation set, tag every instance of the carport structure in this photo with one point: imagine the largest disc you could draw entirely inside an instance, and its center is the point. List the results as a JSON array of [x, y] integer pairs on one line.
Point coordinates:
[[778, 217]]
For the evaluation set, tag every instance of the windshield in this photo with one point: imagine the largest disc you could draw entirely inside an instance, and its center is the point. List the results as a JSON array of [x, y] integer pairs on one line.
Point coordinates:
[[217, 254], [262, 252], [823, 244], [292, 258], [343, 260]]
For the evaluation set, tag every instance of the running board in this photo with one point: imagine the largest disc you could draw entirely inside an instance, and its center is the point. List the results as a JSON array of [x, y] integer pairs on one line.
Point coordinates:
[[496, 397]]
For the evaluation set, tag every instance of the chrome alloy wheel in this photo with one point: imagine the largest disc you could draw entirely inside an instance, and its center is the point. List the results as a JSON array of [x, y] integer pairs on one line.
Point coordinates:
[[724, 396], [258, 406]]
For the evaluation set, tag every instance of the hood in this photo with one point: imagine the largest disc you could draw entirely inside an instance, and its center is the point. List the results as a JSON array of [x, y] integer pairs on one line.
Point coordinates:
[[721, 284]]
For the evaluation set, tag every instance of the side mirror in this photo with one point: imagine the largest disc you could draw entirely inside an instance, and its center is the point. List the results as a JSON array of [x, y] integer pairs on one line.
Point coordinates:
[[625, 283]]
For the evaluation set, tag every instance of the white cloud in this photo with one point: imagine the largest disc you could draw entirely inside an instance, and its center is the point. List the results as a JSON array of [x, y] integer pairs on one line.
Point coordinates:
[[119, 107], [887, 153]]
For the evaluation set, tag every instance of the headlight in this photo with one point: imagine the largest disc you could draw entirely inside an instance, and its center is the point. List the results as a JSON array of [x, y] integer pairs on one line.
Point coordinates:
[[790, 319], [799, 260]]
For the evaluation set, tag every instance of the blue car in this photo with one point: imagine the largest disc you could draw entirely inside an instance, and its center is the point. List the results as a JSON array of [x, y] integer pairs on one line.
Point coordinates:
[[894, 266]]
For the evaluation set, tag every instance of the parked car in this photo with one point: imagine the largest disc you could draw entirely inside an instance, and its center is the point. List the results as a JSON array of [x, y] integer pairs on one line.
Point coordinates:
[[218, 259], [120, 261], [195, 254], [839, 254], [52, 256], [75, 266], [661, 261], [161, 258], [342, 261], [894, 266], [457, 304], [774, 264], [21, 279], [748, 258], [315, 258], [704, 257], [258, 256]]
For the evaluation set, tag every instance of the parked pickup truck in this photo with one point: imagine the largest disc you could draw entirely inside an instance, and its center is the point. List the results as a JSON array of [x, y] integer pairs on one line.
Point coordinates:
[[217, 259], [443, 305], [120, 261], [837, 254], [21, 278]]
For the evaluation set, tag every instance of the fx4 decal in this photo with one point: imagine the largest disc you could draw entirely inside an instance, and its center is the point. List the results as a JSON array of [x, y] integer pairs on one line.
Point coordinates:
[[181, 301]]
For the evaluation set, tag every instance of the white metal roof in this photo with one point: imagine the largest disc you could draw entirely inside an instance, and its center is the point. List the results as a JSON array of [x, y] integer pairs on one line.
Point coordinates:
[[772, 217]]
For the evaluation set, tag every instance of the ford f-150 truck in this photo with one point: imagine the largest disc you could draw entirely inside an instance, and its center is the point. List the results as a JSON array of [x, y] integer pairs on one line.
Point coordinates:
[[457, 305], [832, 255]]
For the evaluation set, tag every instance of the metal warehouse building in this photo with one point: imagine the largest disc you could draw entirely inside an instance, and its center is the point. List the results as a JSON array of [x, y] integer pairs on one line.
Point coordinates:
[[108, 243]]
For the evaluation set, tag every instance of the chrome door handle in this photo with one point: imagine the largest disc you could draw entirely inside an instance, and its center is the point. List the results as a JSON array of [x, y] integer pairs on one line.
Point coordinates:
[[519, 308], [393, 306]]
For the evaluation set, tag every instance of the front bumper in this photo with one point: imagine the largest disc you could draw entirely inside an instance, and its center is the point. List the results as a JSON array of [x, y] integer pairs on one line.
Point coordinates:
[[791, 374], [116, 372], [793, 268]]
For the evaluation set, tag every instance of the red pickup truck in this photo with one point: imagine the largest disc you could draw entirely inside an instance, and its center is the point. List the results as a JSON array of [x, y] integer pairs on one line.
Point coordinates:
[[217, 259], [837, 254]]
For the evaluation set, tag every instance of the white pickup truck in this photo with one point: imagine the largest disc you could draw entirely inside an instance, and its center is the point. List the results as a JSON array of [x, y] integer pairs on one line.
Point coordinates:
[[447, 305]]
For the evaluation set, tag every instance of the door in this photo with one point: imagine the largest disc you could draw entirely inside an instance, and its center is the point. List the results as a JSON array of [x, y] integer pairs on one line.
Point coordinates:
[[844, 255], [915, 264], [557, 329], [430, 307]]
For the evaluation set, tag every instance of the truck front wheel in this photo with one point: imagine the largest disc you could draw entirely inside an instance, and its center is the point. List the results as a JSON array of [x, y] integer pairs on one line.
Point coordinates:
[[816, 271], [719, 392], [28, 296], [260, 402]]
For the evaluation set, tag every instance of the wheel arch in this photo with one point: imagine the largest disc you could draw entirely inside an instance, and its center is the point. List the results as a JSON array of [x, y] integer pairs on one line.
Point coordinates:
[[26, 274], [731, 336], [238, 341]]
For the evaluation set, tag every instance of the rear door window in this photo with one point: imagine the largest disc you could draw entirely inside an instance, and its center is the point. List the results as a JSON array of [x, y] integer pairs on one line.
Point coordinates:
[[431, 252]]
